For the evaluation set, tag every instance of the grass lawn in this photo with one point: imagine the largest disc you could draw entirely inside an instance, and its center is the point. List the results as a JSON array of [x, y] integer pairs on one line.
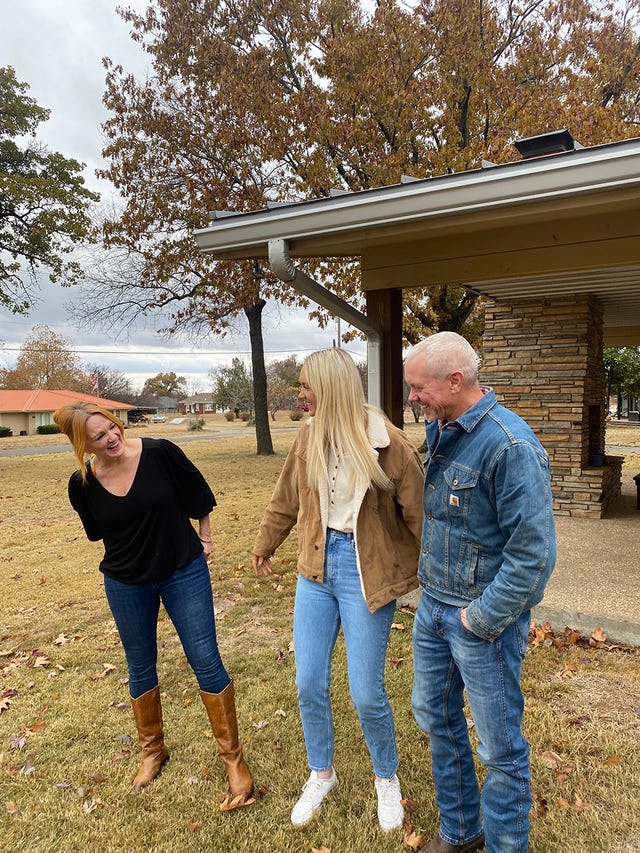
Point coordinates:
[[68, 747]]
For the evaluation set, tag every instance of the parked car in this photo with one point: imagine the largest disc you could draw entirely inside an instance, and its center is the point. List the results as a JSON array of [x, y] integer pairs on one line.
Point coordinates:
[[158, 419], [137, 419]]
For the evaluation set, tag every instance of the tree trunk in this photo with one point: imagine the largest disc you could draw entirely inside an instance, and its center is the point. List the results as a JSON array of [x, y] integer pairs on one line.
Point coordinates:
[[263, 433]]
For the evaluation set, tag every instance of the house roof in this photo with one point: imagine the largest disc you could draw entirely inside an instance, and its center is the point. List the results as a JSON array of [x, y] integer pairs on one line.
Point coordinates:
[[49, 401], [198, 398], [554, 225]]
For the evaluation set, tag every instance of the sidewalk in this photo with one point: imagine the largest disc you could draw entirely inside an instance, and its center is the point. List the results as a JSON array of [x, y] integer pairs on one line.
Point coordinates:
[[596, 582]]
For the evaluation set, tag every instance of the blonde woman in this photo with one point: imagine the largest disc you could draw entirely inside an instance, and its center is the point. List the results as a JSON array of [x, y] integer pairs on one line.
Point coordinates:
[[139, 496], [353, 484]]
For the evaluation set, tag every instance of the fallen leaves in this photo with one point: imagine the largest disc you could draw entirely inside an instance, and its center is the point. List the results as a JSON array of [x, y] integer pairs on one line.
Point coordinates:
[[238, 802], [106, 669], [544, 635]]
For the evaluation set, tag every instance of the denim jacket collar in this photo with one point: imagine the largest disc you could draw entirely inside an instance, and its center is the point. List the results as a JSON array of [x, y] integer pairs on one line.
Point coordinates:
[[472, 417]]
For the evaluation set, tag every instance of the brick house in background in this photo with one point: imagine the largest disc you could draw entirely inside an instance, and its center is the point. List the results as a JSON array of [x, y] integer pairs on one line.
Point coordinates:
[[199, 404], [24, 411]]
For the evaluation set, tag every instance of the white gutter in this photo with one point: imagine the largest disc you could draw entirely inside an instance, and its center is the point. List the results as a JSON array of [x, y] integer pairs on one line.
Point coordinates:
[[559, 179], [282, 266]]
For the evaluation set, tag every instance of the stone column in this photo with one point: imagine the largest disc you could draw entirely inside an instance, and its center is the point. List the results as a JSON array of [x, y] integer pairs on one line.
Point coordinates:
[[544, 360]]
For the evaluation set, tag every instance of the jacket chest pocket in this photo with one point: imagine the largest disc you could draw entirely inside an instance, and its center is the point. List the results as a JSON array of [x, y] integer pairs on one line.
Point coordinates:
[[459, 493]]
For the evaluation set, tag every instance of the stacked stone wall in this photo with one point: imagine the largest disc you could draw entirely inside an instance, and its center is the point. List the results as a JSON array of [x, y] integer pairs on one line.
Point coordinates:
[[544, 360]]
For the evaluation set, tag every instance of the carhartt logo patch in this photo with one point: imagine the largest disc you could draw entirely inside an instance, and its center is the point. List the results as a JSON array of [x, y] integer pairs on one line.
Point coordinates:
[[454, 500]]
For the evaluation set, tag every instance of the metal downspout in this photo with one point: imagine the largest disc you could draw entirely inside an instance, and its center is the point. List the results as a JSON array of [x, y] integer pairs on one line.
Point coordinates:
[[282, 265]]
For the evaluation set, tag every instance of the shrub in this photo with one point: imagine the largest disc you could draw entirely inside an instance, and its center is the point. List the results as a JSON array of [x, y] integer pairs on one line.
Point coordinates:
[[5, 432], [230, 416], [296, 414], [196, 423], [48, 429], [245, 416]]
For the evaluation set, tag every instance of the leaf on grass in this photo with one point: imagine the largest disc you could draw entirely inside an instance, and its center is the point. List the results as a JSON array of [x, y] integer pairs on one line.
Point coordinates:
[[11, 807], [414, 840], [572, 636], [612, 761], [63, 784], [260, 725], [280, 713], [4, 704], [551, 759], [122, 755], [237, 802], [540, 634], [17, 741], [61, 640], [398, 626], [119, 706], [106, 669], [568, 671], [40, 660], [598, 639], [83, 791], [540, 804], [395, 662], [87, 808], [322, 849], [240, 632], [409, 805], [194, 825], [27, 770], [280, 658], [99, 777], [579, 806]]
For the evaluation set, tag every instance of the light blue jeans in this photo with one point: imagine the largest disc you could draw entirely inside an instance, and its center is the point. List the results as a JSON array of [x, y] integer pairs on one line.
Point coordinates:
[[188, 600], [448, 659], [320, 609]]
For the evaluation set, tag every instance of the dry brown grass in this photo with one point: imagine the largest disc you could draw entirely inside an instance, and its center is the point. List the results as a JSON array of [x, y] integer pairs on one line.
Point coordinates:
[[67, 751]]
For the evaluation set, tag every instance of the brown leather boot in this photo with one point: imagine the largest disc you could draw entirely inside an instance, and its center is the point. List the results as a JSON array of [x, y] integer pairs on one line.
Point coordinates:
[[147, 711], [221, 710]]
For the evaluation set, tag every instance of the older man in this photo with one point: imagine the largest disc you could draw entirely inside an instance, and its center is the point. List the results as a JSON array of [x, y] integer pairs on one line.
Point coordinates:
[[488, 548]]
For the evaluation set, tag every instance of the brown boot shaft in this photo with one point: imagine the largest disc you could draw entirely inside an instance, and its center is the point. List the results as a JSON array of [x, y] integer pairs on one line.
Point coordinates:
[[221, 710], [147, 711]]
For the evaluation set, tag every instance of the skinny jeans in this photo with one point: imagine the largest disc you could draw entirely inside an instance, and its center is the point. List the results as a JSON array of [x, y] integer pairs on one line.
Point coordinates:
[[188, 600], [320, 610]]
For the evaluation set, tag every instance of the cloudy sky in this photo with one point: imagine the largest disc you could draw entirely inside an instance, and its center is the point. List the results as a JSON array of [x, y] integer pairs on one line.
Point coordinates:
[[56, 46]]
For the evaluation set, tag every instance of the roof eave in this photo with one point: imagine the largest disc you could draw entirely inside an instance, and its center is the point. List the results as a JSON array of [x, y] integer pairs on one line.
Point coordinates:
[[553, 182]]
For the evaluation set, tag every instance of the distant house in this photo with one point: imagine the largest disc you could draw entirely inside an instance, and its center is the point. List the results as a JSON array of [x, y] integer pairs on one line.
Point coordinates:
[[199, 404], [24, 411]]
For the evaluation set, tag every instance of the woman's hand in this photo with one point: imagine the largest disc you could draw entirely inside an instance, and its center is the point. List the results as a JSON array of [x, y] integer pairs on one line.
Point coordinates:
[[207, 546], [261, 565]]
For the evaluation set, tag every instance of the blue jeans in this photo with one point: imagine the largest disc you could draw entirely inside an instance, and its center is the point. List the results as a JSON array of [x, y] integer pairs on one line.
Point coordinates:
[[188, 600], [448, 659], [319, 610]]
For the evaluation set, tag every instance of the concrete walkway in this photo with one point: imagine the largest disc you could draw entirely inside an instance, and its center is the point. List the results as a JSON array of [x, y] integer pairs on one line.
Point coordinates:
[[596, 582]]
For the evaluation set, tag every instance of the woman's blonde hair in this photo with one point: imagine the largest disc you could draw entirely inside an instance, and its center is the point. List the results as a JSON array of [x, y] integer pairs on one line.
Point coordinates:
[[340, 419], [72, 420]]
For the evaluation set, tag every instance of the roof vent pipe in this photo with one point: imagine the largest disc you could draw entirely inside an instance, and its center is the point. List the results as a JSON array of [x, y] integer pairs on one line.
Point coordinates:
[[283, 267], [556, 142]]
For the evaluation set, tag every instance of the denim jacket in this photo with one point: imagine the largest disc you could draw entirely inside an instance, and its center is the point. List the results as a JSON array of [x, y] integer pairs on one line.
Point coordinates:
[[488, 537]]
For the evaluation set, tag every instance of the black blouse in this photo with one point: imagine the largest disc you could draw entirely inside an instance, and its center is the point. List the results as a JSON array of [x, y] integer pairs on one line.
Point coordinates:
[[147, 533]]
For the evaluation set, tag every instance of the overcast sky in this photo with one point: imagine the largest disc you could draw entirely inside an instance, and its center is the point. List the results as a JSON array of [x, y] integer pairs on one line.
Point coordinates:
[[56, 46]]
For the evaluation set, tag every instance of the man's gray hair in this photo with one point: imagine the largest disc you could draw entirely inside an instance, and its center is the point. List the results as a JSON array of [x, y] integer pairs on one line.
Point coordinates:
[[445, 352]]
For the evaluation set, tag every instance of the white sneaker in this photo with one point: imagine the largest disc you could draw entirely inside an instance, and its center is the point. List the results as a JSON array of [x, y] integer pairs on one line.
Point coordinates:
[[390, 809], [314, 791]]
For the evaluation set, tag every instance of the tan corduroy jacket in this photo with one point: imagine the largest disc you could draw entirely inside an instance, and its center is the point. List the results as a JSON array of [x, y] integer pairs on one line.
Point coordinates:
[[389, 523]]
